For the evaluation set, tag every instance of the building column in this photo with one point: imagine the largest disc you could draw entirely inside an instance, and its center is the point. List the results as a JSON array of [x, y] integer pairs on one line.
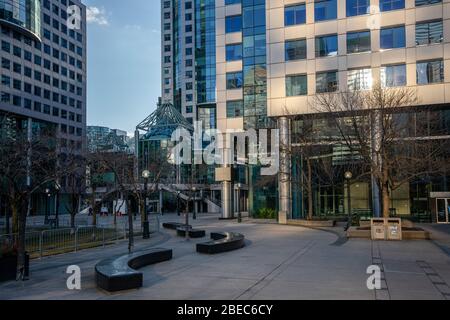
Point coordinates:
[[227, 200], [225, 177], [285, 174]]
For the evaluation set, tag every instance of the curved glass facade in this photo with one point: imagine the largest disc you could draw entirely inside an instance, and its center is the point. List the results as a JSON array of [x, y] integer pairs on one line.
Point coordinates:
[[25, 14]]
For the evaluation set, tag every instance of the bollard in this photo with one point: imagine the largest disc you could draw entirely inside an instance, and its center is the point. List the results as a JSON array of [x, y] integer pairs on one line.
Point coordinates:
[[76, 239], [41, 236]]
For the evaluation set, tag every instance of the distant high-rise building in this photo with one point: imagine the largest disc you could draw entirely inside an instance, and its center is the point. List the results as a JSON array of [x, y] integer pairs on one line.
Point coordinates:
[[104, 139]]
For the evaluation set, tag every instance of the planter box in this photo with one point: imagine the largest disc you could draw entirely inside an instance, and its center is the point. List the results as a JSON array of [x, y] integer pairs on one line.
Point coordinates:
[[312, 223], [8, 268]]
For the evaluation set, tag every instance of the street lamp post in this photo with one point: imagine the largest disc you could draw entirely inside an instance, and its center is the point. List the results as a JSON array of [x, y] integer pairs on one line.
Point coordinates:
[[58, 190], [47, 197], [187, 218], [178, 203], [348, 177], [239, 202], [146, 225], [194, 191]]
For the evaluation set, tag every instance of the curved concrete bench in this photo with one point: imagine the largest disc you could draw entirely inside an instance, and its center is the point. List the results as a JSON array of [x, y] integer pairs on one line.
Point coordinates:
[[119, 273], [222, 242], [193, 233], [173, 225]]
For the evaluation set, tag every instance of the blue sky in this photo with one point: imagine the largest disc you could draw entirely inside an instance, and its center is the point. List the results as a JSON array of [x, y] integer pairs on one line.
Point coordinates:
[[123, 61]]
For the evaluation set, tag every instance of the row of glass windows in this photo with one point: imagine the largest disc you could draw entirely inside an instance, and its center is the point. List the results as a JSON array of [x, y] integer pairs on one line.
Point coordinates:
[[327, 9], [62, 27], [38, 91], [324, 10], [428, 72], [428, 32], [357, 42], [39, 76], [38, 61], [27, 55], [37, 106]]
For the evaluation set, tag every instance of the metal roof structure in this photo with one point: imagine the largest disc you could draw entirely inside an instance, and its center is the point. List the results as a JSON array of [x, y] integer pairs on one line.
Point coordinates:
[[163, 122]]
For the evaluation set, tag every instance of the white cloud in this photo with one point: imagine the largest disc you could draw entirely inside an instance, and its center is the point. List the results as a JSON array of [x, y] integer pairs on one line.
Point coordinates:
[[96, 15]]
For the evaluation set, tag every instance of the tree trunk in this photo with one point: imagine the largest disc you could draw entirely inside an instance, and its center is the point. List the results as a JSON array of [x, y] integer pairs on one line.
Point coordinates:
[[15, 217], [73, 211], [310, 191], [386, 199], [57, 210], [22, 223], [115, 209], [130, 229], [7, 225], [94, 209]]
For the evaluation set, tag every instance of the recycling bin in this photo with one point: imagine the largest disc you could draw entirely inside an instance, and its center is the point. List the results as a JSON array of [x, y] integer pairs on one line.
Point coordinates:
[[394, 229], [378, 228]]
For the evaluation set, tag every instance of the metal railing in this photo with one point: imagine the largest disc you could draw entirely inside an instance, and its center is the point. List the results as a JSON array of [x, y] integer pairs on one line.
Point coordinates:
[[57, 241]]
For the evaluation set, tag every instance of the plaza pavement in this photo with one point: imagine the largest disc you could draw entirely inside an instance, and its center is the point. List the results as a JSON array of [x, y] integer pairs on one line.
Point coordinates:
[[279, 262]]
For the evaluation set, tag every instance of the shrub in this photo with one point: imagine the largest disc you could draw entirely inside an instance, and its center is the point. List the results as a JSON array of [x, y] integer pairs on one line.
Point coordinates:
[[267, 213]]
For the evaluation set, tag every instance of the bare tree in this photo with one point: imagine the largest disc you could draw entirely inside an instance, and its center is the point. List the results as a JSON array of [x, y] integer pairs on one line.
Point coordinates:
[[372, 125], [72, 180], [27, 164]]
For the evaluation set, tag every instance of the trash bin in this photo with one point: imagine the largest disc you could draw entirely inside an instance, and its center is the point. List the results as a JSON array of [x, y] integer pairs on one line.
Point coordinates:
[[394, 229], [378, 228]]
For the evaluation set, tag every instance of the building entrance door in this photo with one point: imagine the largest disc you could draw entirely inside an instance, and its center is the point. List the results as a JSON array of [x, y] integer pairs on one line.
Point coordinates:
[[443, 210]]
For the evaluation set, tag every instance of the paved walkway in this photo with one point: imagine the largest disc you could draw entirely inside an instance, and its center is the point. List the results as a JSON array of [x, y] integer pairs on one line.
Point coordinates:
[[279, 262]]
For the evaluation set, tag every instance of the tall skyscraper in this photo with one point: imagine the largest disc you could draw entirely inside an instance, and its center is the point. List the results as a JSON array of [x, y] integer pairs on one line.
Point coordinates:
[[43, 71], [43, 66], [258, 63]]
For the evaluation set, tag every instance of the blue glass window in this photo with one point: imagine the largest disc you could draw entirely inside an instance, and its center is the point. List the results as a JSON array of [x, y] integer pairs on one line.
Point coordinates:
[[393, 76], [235, 109], [426, 2], [327, 82], [429, 32], [294, 15], [227, 2], [391, 38], [234, 80], [295, 50], [430, 72], [296, 85], [388, 5], [233, 24], [358, 42], [357, 7], [325, 10], [327, 46], [234, 52]]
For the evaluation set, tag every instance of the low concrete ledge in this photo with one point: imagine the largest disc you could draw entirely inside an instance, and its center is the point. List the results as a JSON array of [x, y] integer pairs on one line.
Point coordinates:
[[193, 233], [407, 233], [120, 273], [174, 225], [222, 242], [312, 223]]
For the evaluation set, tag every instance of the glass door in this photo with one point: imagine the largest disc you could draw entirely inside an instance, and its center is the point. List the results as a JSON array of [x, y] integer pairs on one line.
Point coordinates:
[[443, 210]]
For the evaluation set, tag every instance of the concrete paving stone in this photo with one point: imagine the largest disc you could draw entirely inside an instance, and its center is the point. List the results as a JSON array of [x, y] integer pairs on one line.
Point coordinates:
[[280, 262], [443, 289]]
